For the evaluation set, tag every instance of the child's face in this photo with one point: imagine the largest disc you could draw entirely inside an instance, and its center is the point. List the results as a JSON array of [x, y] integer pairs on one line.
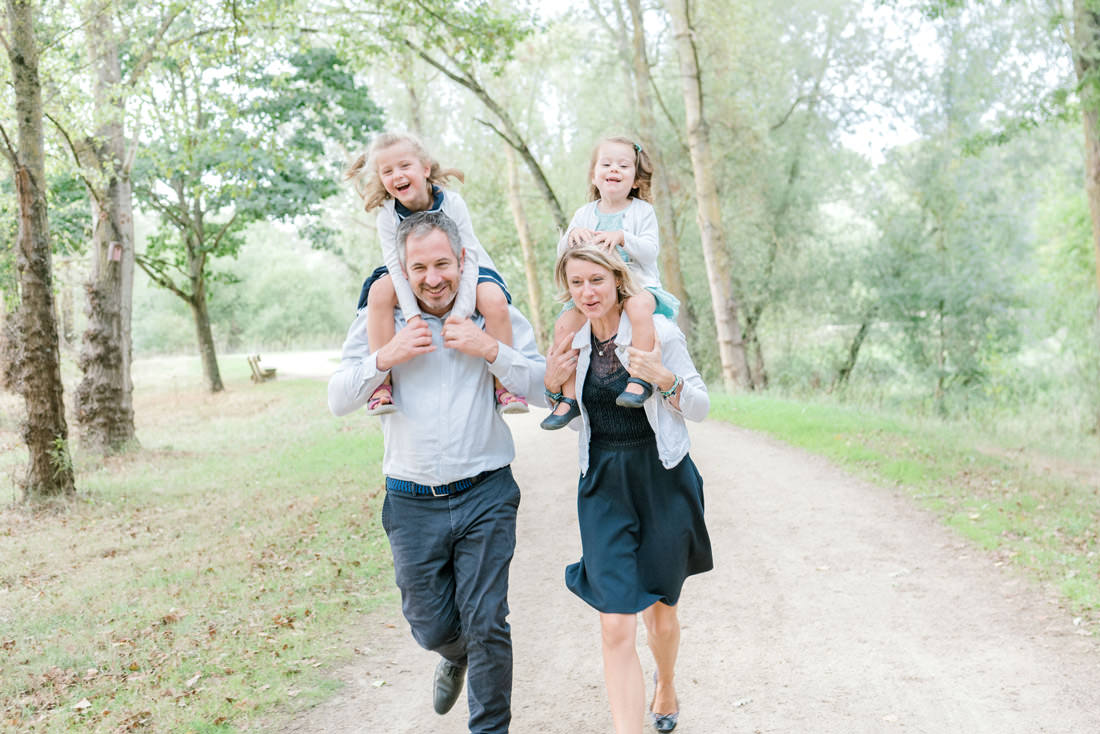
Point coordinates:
[[613, 172], [404, 175]]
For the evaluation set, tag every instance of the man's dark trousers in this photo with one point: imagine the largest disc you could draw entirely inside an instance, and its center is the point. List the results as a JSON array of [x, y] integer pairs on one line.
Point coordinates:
[[451, 557]]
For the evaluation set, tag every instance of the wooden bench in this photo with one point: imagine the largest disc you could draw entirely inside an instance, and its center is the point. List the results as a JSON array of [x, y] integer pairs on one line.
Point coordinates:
[[260, 374]]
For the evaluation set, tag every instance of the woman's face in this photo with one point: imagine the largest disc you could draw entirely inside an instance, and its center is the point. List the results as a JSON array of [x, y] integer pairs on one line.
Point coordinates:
[[592, 287]]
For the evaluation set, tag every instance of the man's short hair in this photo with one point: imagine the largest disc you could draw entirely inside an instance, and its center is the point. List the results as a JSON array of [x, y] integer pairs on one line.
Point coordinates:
[[422, 224]]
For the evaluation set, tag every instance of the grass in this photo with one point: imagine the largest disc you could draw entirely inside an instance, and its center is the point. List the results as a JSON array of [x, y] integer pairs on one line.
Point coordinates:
[[201, 581], [206, 581], [1033, 510]]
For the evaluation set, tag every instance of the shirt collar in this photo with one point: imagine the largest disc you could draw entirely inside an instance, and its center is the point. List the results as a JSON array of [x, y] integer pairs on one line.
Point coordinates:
[[437, 204]]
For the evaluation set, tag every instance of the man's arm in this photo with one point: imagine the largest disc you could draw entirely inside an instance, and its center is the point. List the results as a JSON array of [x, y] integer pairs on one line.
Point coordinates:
[[361, 371], [520, 368], [351, 386]]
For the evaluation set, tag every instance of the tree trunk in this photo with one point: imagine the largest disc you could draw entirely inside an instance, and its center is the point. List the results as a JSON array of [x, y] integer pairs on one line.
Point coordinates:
[[758, 373], [731, 348], [530, 263], [845, 370], [205, 336], [104, 397], [1085, 45], [671, 276], [36, 372], [65, 308]]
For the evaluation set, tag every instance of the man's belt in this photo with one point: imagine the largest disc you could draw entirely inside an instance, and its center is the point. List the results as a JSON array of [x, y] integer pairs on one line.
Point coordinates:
[[437, 490]]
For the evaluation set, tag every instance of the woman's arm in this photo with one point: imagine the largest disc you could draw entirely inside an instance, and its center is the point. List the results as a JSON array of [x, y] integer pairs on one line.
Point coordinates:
[[669, 369]]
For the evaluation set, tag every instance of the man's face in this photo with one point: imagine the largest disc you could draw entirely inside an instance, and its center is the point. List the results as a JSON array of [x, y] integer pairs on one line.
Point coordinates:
[[433, 271]]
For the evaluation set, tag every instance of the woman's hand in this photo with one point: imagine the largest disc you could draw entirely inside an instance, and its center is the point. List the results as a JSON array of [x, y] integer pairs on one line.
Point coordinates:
[[561, 363], [647, 366]]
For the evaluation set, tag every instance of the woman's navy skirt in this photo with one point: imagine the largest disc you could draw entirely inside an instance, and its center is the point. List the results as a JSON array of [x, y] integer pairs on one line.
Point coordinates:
[[642, 529]]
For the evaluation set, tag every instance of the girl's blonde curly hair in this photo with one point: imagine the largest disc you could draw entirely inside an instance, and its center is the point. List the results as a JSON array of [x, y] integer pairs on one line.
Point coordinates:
[[363, 170]]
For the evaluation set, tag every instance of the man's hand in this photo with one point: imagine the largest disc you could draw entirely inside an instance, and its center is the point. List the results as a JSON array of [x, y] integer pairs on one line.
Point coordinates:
[[415, 338], [465, 336]]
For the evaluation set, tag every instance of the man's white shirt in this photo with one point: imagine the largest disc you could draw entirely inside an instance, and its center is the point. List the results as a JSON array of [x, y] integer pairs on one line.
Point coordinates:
[[446, 426]]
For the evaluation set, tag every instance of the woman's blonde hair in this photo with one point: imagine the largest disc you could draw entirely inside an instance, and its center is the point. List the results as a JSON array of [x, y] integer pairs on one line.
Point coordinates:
[[625, 285], [363, 170], [643, 169]]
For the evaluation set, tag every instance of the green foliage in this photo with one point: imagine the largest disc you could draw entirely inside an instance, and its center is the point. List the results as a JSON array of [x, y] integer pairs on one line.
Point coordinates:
[[240, 138], [277, 294], [70, 223]]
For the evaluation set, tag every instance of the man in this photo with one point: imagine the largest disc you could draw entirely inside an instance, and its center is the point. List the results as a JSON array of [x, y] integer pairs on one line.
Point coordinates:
[[451, 501]]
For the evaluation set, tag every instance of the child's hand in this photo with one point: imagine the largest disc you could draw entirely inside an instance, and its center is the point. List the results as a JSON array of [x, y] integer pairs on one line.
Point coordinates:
[[609, 240], [580, 236]]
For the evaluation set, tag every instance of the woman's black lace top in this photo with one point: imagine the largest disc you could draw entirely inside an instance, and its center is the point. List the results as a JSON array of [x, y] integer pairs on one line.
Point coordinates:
[[606, 378]]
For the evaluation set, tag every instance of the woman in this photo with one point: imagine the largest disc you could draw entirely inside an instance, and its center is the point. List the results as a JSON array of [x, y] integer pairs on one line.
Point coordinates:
[[640, 499]]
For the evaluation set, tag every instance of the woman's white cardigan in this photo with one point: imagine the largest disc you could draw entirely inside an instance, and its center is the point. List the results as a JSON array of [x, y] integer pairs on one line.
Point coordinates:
[[667, 422]]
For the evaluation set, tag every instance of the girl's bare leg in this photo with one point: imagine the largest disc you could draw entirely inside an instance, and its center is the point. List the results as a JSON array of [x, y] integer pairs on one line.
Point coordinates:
[[493, 306], [639, 309], [569, 322], [622, 672], [381, 301]]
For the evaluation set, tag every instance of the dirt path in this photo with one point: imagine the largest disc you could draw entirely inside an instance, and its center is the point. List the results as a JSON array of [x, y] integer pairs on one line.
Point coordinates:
[[834, 607]]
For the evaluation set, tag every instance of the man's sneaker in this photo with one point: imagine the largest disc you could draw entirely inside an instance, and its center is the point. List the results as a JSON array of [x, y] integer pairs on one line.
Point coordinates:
[[448, 684]]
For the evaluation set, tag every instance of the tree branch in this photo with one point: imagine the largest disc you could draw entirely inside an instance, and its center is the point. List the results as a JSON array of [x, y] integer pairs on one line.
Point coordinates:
[[511, 144], [76, 157], [221, 232], [155, 270], [147, 55], [9, 149], [684, 150]]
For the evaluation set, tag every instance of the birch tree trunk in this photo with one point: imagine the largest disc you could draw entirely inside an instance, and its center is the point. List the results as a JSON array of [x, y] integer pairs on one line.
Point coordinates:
[[527, 245], [104, 397], [196, 263], [672, 277], [1086, 57], [35, 369], [731, 349]]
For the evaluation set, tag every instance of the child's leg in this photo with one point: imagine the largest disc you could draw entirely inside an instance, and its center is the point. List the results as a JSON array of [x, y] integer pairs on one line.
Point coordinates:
[[569, 322], [639, 309], [381, 301], [493, 305]]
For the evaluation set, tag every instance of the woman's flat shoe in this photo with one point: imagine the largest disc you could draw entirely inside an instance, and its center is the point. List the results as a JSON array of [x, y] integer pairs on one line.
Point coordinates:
[[634, 400], [664, 722], [553, 421]]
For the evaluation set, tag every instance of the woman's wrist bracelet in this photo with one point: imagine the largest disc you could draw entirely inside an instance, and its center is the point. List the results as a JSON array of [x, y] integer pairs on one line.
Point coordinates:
[[666, 394]]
